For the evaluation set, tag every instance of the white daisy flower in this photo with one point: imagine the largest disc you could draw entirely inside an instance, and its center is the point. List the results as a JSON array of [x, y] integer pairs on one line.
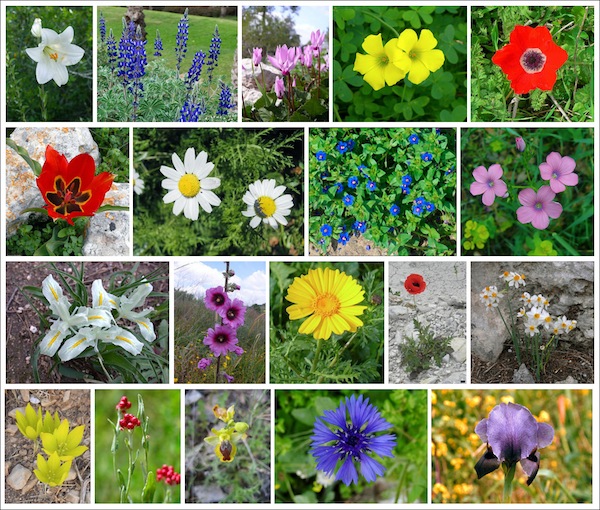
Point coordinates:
[[189, 185], [267, 202], [138, 184]]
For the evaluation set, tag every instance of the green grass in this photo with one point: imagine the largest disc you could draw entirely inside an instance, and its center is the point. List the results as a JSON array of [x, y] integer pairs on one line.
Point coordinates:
[[200, 34]]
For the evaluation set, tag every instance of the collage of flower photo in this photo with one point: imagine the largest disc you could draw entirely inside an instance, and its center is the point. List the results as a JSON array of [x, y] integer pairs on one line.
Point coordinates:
[[299, 254]]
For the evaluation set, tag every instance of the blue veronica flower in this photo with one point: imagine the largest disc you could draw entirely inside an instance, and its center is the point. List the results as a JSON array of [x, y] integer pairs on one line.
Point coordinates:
[[449, 171], [111, 47], [420, 201], [348, 200], [225, 102], [438, 131], [322, 241], [413, 139], [407, 179], [353, 442], [426, 156], [341, 147], [360, 226], [193, 74], [325, 189], [339, 187], [102, 23], [344, 238], [361, 169], [181, 39], [352, 182], [191, 111], [326, 230], [350, 144], [371, 186], [324, 175], [429, 206], [213, 53], [321, 156], [417, 210], [405, 189], [158, 45], [394, 210]]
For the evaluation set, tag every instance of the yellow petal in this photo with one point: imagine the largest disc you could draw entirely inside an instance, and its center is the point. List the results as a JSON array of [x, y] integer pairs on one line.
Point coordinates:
[[407, 40], [375, 78], [309, 325], [373, 45], [432, 59], [418, 72], [426, 41]]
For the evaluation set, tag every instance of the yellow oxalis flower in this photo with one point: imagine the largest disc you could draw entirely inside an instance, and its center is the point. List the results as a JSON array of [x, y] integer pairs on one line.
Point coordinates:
[[416, 56], [329, 299], [377, 66]]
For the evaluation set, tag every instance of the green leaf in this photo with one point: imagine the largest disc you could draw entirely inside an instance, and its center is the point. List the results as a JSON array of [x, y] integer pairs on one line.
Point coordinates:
[[149, 488], [21, 151]]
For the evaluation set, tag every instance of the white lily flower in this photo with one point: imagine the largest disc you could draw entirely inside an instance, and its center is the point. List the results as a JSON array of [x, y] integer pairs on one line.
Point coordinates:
[[74, 346], [53, 54], [122, 338], [36, 28]]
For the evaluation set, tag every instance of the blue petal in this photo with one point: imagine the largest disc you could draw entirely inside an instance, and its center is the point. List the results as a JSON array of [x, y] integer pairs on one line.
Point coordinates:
[[382, 445], [326, 458], [370, 468], [347, 472]]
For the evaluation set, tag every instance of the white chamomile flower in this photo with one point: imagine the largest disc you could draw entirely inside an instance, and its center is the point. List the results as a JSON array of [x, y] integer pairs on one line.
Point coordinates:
[[53, 54], [267, 202], [189, 185], [138, 184]]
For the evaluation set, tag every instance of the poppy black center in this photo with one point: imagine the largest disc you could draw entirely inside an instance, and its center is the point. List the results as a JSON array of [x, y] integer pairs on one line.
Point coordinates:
[[533, 60]]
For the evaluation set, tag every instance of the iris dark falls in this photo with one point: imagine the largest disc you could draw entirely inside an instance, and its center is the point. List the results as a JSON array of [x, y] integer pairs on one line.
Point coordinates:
[[353, 442], [512, 435]]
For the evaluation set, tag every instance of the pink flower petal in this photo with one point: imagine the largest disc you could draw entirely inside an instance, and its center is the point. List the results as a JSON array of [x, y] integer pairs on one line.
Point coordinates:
[[488, 197], [480, 174], [567, 165], [554, 159], [540, 220], [570, 179], [545, 194], [557, 186], [528, 197], [495, 172], [500, 188], [525, 214], [546, 171], [553, 209], [478, 188]]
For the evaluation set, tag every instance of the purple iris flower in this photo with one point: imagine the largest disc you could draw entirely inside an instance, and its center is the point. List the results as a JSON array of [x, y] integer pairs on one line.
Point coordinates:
[[512, 435], [353, 441]]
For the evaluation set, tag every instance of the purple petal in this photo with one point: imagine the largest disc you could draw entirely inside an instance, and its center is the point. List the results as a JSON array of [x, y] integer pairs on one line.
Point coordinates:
[[488, 197], [545, 435], [553, 209], [478, 188], [554, 159], [500, 188], [486, 464], [546, 171], [495, 172], [481, 430], [569, 179], [347, 473], [525, 214], [531, 465], [370, 468], [567, 165], [527, 197], [545, 194], [557, 186], [480, 174], [540, 220]]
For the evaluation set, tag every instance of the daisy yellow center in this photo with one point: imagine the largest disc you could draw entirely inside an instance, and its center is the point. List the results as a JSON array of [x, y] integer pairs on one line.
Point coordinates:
[[189, 185], [326, 305], [265, 207]]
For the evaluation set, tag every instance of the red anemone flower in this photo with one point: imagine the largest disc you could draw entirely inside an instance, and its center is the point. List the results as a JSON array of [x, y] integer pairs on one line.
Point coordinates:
[[71, 189], [531, 59], [414, 284]]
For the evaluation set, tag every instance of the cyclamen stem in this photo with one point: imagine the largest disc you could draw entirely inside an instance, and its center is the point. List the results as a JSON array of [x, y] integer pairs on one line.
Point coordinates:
[[509, 474]]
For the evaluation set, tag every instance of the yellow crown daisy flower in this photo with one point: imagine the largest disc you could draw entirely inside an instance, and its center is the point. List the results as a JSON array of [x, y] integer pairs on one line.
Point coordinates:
[[376, 65], [416, 56], [329, 299]]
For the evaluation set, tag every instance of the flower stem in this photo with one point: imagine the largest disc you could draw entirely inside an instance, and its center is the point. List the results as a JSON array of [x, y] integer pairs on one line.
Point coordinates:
[[563, 113], [509, 474], [317, 355], [44, 102], [383, 23], [101, 360]]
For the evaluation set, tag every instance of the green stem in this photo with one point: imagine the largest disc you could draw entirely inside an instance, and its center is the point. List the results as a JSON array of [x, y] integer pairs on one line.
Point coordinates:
[[130, 462], [43, 98], [101, 360], [317, 355], [383, 23], [509, 474]]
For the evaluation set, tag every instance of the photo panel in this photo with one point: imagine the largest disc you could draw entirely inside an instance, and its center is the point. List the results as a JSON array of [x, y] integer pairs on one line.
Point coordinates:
[[532, 322], [219, 192], [427, 322], [382, 191], [167, 63], [87, 322]]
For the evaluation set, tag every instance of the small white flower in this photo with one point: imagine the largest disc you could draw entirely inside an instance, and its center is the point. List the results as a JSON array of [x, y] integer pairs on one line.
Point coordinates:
[[189, 184], [138, 184], [531, 328], [537, 315], [36, 28], [517, 280], [33, 329], [267, 202], [53, 54]]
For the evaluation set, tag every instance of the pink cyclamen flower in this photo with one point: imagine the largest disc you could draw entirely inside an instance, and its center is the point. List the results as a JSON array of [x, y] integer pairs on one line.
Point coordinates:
[[488, 183], [559, 170], [520, 143], [279, 87], [256, 56], [307, 57], [316, 40], [285, 59], [538, 208]]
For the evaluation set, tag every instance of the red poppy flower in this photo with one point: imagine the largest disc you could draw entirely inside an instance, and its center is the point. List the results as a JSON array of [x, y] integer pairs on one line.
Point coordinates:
[[531, 59], [71, 189], [414, 284]]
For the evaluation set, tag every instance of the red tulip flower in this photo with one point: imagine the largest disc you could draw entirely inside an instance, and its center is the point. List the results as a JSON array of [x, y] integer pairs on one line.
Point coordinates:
[[414, 284], [71, 189], [531, 59]]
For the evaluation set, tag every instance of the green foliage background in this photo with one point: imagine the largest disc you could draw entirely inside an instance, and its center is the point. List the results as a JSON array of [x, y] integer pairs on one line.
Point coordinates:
[[572, 233], [162, 409], [71, 102], [241, 157], [295, 468], [263, 29], [349, 357], [572, 28], [441, 97]]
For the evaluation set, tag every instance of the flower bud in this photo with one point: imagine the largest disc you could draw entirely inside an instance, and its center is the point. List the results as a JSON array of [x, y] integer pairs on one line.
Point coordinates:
[[279, 87], [36, 28], [520, 143], [241, 426]]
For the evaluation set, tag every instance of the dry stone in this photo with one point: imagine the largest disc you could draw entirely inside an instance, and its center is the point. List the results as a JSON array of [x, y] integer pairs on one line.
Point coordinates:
[[18, 477]]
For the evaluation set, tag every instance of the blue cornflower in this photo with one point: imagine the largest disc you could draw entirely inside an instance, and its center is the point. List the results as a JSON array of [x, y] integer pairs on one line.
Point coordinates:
[[417, 210], [213, 53], [326, 230], [225, 103], [341, 147], [413, 139], [102, 23], [344, 238], [321, 156], [350, 144], [339, 187], [352, 182], [192, 111], [181, 39], [348, 200], [360, 226], [111, 47], [407, 179], [158, 46], [352, 442], [371, 186], [394, 210], [193, 74], [426, 156], [429, 206]]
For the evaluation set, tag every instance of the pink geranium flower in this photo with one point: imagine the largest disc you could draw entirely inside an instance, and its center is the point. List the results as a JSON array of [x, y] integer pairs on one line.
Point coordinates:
[[559, 170], [488, 183], [538, 208]]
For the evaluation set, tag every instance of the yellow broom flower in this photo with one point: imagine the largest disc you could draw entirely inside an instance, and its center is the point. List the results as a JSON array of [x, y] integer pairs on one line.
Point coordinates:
[[329, 299]]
